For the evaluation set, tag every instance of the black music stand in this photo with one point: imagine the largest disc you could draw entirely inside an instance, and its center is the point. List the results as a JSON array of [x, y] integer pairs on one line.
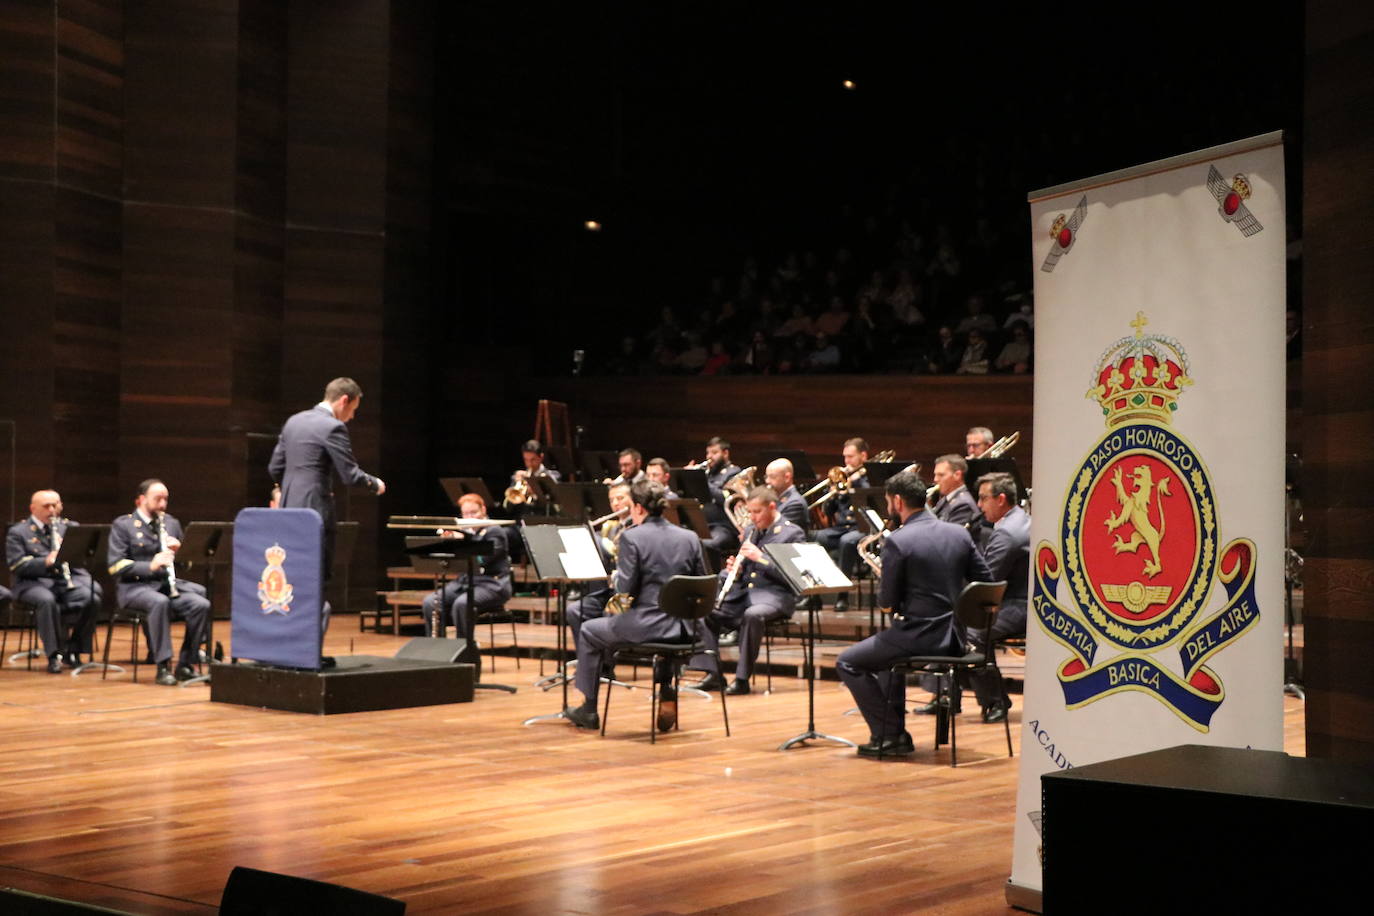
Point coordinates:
[[208, 545], [545, 494], [563, 461], [543, 545], [878, 472], [84, 547], [690, 483], [345, 539], [456, 487], [977, 467], [804, 582], [443, 556], [597, 465]]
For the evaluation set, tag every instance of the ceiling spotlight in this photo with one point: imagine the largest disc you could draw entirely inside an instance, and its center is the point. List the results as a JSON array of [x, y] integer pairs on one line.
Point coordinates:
[[592, 225], [848, 84]]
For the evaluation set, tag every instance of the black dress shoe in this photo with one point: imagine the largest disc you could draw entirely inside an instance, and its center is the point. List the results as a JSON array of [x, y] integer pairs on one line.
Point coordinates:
[[165, 677], [842, 603], [737, 688], [996, 713], [327, 661], [185, 672], [72, 660], [712, 682], [54, 664], [929, 709], [581, 717], [899, 746], [667, 711]]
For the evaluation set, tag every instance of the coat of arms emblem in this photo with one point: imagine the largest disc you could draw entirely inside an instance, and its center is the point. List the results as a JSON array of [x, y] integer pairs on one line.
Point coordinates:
[[1139, 547], [274, 591]]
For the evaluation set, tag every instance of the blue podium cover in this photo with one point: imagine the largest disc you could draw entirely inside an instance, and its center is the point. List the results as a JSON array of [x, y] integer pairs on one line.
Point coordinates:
[[278, 595]]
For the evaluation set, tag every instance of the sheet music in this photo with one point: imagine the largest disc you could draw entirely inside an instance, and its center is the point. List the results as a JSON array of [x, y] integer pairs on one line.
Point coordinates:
[[813, 561], [580, 558]]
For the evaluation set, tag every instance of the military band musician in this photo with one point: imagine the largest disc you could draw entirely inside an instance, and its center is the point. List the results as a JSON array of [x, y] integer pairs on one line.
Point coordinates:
[[64, 600], [650, 554], [142, 553], [759, 593], [926, 563]]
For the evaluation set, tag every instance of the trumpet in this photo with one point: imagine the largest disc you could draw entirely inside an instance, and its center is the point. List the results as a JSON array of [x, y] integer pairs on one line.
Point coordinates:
[[57, 547], [520, 493], [1002, 446]]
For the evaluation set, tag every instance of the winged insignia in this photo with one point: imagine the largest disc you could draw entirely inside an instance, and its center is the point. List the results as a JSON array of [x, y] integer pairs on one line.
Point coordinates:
[[1231, 201], [1135, 597], [1065, 234]]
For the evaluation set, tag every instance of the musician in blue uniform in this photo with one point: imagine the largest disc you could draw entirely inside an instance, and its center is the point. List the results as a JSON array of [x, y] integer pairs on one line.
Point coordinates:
[[650, 554], [841, 536], [491, 586], [1007, 554], [719, 469], [953, 502], [592, 604], [758, 592], [656, 471], [143, 546], [926, 563], [64, 600], [313, 445], [791, 504]]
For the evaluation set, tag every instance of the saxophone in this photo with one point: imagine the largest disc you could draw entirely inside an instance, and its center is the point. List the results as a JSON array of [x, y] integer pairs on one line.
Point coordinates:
[[57, 547], [171, 564]]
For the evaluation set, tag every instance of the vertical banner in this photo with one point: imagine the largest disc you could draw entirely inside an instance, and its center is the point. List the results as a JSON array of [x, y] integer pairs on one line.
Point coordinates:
[[278, 595], [1157, 536]]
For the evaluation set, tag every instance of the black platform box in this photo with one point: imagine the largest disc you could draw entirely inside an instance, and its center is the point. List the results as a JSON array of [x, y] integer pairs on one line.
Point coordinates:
[[1196, 829], [359, 683]]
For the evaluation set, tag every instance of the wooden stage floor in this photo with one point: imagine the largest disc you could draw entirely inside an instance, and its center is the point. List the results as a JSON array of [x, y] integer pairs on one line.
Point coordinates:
[[142, 798]]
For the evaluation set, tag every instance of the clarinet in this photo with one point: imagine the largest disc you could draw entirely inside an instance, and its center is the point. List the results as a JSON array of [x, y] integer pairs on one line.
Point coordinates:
[[730, 577], [171, 564], [57, 547]]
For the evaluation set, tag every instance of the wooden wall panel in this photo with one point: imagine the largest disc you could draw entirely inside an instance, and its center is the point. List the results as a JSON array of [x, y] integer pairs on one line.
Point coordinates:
[[1338, 331], [336, 122], [88, 303], [488, 412], [27, 243], [89, 114], [176, 367], [182, 80], [406, 396], [27, 71]]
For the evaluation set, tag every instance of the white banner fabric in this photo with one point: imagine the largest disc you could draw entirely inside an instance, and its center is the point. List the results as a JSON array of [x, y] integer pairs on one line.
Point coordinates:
[[1157, 537]]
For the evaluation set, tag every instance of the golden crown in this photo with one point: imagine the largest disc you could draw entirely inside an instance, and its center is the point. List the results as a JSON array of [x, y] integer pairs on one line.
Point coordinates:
[[1140, 377], [276, 555], [1241, 185]]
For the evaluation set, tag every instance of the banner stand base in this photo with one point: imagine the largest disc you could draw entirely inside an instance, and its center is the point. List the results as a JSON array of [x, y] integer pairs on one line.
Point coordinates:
[[1025, 898]]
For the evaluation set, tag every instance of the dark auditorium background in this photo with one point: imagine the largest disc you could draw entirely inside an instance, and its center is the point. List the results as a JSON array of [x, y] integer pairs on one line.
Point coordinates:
[[209, 208]]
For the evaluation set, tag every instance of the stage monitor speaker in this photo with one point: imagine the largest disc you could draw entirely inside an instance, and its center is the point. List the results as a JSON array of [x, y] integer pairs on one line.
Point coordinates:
[[434, 649], [265, 893]]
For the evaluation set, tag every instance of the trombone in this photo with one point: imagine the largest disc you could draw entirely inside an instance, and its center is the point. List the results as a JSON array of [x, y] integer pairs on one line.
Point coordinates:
[[1002, 446], [840, 480]]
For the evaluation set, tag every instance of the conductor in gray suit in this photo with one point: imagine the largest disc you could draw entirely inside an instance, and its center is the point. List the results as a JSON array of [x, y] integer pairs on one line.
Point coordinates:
[[650, 554], [314, 443]]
